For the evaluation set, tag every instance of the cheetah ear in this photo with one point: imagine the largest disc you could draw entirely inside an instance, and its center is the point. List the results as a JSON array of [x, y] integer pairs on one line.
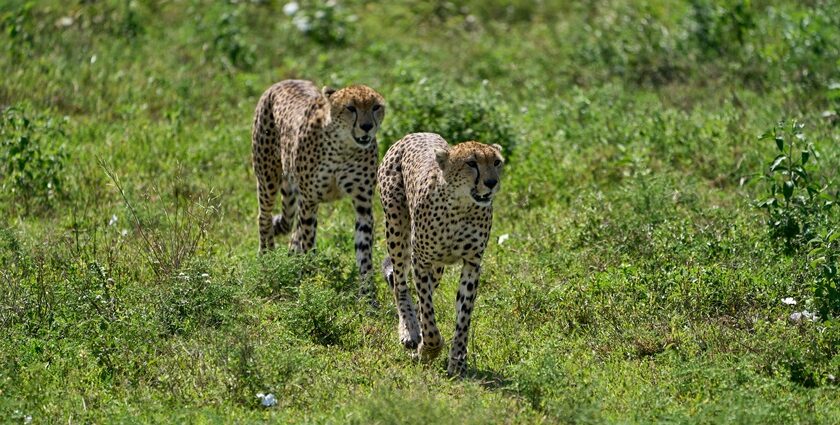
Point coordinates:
[[497, 147], [442, 157], [327, 91]]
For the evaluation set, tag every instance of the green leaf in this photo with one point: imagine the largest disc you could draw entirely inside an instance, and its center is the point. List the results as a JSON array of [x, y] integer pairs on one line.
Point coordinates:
[[780, 143], [817, 261], [767, 202], [776, 162], [805, 156], [800, 172], [766, 134], [787, 189]]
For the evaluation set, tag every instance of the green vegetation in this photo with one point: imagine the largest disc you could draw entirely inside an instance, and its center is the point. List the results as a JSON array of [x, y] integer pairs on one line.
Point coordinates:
[[650, 233]]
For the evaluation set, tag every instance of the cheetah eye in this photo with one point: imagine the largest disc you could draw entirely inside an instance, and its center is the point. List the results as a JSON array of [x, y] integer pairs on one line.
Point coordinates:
[[497, 163], [351, 108], [472, 164], [376, 107]]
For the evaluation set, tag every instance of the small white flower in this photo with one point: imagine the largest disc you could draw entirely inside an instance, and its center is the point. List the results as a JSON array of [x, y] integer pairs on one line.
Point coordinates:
[[788, 301], [503, 238], [302, 23], [93, 59], [27, 419], [291, 8], [64, 22], [124, 232], [113, 220], [799, 316]]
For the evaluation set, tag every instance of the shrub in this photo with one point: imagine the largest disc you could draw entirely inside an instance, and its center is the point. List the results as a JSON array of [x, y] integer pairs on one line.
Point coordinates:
[[456, 114], [797, 204], [32, 157], [318, 316], [721, 29], [196, 298], [229, 46], [325, 22], [175, 232], [825, 257]]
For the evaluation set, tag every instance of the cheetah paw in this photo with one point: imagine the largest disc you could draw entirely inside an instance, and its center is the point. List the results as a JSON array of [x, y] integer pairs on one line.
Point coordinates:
[[428, 353], [457, 367], [409, 336]]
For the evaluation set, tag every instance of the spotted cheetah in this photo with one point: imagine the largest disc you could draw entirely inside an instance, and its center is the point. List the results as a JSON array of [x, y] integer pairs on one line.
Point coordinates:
[[316, 146], [438, 203]]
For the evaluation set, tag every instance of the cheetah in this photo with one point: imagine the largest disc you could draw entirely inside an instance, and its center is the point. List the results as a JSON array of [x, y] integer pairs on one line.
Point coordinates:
[[316, 146], [438, 203]]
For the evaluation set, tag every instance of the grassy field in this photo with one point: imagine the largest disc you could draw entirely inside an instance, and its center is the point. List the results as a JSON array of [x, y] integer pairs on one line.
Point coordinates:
[[644, 240]]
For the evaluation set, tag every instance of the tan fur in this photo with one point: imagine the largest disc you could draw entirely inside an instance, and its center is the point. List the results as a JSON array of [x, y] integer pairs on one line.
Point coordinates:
[[438, 211], [313, 148]]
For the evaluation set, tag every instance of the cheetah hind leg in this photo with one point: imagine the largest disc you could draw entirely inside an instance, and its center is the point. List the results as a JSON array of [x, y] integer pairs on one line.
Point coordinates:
[[408, 328]]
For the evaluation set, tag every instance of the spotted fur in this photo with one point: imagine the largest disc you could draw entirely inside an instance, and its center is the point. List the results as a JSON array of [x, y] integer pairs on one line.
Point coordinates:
[[316, 146], [438, 211]]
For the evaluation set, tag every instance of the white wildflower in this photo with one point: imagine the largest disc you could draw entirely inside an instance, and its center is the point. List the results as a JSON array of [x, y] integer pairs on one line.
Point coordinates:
[[64, 22], [291, 8], [113, 220], [302, 23], [788, 301], [800, 316], [503, 238]]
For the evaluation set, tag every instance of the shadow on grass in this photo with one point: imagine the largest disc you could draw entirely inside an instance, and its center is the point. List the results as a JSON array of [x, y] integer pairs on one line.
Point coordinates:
[[488, 379]]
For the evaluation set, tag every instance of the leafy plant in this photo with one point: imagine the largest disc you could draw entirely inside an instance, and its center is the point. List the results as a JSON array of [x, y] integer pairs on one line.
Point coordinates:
[[319, 314], [229, 46], [722, 28], [185, 224], [32, 157], [797, 203], [825, 257], [196, 298], [456, 114], [325, 22]]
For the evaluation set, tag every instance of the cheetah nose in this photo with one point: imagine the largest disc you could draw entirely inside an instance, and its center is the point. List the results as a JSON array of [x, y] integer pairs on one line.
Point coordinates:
[[490, 183], [366, 126]]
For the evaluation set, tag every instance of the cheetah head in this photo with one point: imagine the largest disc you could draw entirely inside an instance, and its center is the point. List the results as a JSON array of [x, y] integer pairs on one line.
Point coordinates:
[[473, 169], [357, 111]]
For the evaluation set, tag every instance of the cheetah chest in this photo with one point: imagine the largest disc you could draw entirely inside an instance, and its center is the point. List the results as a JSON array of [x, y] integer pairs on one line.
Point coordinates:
[[454, 238]]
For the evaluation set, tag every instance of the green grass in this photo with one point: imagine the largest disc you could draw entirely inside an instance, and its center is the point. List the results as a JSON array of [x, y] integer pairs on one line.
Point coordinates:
[[639, 283]]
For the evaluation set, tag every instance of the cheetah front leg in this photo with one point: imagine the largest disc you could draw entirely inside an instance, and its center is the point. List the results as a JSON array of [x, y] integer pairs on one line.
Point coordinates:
[[426, 277], [363, 239], [395, 269], [304, 238], [464, 302]]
